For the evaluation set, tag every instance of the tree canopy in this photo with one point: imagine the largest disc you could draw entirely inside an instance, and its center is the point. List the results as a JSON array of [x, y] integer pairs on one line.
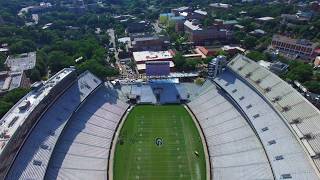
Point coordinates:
[[183, 64], [256, 56], [2, 60], [299, 71], [9, 99], [98, 69]]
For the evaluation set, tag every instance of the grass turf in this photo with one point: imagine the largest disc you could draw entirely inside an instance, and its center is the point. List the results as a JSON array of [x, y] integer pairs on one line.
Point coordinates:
[[138, 157]]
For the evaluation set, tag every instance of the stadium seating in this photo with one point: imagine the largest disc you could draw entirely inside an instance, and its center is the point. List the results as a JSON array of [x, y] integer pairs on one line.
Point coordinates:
[[34, 156], [280, 144], [296, 110], [168, 92], [83, 149], [235, 151], [256, 126]]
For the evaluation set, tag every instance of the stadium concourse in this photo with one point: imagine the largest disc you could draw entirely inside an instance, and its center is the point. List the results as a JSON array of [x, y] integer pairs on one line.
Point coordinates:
[[255, 125]]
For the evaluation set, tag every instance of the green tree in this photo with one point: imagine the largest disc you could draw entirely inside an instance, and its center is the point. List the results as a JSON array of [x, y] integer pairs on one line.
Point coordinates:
[[42, 63], [98, 69], [190, 64], [14, 95], [207, 60], [256, 55], [250, 42], [4, 107], [59, 60], [132, 64], [313, 86], [183, 64], [9, 99], [199, 81], [2, 60], [207, 22], [22, 46], [239, 36], [104, 39], [179, 60], [35, 75], [222, 53], [113, 60], [300, 72], [163, 20]]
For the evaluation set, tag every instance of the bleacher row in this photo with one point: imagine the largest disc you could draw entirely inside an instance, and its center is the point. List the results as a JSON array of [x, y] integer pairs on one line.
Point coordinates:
[[171, 93], [82, 151], [235, 151], [145, 92], [287, 157], [168, 92], [302, 116], [34, 155]]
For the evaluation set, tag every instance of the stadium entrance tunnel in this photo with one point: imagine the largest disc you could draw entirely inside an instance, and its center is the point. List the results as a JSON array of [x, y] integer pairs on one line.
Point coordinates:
[[158, 142]]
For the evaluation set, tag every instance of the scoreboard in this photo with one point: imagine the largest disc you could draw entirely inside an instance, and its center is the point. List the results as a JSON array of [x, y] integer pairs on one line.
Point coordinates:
[[158, 68]]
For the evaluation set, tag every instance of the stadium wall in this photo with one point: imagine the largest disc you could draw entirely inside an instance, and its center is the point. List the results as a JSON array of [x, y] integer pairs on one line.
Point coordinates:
[[204, 142], [115, 137]]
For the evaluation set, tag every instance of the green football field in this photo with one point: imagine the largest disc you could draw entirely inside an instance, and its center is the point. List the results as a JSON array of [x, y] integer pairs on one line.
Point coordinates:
[[159, 142]]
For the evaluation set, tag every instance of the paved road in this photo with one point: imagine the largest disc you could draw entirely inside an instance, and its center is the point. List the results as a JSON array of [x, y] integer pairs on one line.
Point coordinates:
[[122, 68], [156, 27], [113, 40], [112, 36]]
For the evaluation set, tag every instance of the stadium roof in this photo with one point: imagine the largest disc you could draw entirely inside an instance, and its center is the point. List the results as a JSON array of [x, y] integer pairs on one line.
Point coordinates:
[[16, 116]]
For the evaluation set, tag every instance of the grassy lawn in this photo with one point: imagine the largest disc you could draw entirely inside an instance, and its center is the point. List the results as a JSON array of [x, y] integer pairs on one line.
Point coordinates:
[[159, 142]]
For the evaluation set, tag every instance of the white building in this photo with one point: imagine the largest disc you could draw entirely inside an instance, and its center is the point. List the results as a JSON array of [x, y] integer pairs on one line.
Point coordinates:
[[142, 57]]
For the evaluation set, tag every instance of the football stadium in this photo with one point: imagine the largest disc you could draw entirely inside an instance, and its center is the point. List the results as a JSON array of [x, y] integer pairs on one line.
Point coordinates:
[[243, 122]]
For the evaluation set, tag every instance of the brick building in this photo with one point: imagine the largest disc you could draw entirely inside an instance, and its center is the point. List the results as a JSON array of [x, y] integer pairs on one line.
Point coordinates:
[[205, 35], [150, 43], [299, 47]]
